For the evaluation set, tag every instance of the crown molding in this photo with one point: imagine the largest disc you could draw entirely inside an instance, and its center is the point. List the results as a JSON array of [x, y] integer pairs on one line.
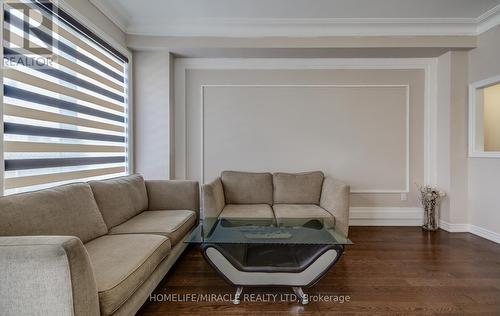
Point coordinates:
[[113, 11], [307, 27], [314, 27], [488, 20]]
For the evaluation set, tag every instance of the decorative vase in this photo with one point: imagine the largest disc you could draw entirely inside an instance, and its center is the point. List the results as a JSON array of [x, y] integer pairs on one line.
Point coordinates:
[[430, 198], [431, 215]]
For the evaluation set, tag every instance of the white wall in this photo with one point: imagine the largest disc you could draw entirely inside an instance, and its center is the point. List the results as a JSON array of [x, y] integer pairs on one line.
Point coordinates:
[[452, 139], [443, 133], [152, 114], [458, 138], [484, 173], [340, 130]]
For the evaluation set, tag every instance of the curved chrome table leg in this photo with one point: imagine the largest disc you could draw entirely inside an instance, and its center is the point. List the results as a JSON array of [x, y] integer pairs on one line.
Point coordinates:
[[237, 295], [304, 299]]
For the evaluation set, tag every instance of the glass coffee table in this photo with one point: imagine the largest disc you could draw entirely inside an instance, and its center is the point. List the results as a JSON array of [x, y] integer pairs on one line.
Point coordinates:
[[294, 252]]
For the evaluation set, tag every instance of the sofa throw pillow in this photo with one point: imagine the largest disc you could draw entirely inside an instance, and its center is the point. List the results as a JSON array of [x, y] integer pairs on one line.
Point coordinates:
[[247, 187], [67, 210], [120, 198], [297, 188]]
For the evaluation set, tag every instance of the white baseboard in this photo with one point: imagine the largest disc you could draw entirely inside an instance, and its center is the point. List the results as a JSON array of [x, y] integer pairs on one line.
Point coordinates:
[[454, 228], [410, 216], [473, 229], [385, 216], [485, 233]]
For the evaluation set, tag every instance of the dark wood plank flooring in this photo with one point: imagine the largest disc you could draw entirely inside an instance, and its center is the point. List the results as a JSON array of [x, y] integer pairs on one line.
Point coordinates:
[[389, 270]]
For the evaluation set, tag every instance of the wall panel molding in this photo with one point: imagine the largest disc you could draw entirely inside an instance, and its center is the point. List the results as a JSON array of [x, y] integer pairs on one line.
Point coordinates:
[[405, 189], [429, 65]]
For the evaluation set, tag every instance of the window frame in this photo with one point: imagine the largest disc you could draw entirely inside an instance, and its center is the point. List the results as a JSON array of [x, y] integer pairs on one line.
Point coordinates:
[[473, 87], [128, 75]]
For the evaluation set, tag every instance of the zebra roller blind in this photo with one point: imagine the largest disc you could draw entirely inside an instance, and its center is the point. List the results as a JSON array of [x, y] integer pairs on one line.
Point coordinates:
[[65, 111]]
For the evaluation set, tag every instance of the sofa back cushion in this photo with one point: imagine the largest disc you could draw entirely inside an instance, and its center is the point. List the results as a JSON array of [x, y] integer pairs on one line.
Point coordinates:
[[120, 198], [247, 187], [64, 210], [297, 188]]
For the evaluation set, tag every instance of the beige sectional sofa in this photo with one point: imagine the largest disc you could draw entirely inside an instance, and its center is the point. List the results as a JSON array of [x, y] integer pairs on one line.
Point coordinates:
[[280, 195], [97, 248]]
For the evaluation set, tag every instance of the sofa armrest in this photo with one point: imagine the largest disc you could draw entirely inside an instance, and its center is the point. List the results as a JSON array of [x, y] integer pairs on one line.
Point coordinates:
[[335, 199], [173, 195], [46, 275], [213, 199]]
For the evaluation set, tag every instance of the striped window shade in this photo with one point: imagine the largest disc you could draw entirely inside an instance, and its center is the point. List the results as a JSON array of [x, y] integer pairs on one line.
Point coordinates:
[[64, 121]]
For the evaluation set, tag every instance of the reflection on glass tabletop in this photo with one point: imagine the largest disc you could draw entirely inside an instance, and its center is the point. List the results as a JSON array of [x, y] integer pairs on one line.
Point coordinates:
[[268, 231]]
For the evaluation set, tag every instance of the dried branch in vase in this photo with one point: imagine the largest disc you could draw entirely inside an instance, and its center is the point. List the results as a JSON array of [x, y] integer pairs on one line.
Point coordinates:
[[430, 198]]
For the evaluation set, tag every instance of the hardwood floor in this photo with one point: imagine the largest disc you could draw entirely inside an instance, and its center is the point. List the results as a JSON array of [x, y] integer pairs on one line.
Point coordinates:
[[389, 270]]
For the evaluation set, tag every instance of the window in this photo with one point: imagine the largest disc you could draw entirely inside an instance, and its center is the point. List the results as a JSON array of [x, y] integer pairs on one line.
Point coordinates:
[[484, 118], [65, 101]]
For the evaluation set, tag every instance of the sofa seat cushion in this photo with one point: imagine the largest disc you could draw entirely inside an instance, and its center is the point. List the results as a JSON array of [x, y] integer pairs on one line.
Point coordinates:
[[300, 211], [121, 263], [247, 211], [120, 198], [297, 188], [68, 210], [174, 224], [247, 187]]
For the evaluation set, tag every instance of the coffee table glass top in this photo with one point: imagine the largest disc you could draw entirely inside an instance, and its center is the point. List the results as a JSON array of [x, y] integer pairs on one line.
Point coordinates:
[[320, 231]]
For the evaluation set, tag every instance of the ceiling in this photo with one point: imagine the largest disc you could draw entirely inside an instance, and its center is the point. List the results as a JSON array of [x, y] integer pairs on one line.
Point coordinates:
[[301, 17]]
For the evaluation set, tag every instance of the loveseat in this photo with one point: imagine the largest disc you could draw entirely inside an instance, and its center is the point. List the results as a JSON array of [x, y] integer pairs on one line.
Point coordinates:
[[237, 194], [96, 248]]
